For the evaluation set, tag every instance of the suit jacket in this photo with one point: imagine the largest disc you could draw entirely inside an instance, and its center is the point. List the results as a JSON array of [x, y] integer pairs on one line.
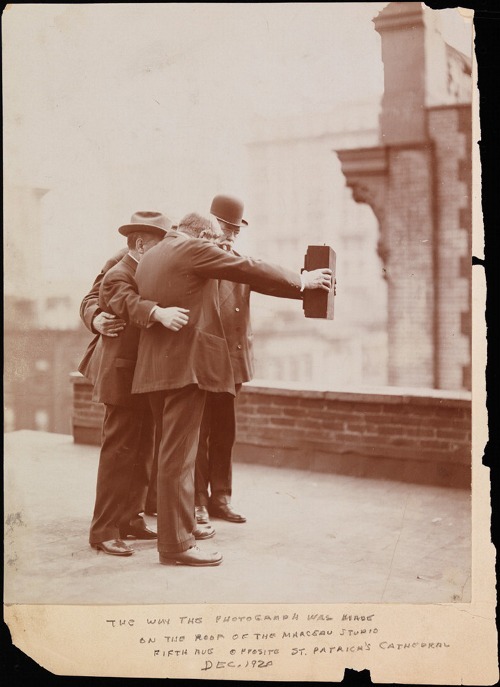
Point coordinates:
[[89, 308], [234, 302], [182, 271], [117, 355]]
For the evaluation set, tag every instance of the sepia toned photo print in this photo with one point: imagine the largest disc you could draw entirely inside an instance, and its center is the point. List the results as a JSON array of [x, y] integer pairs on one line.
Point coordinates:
[[244, 343]]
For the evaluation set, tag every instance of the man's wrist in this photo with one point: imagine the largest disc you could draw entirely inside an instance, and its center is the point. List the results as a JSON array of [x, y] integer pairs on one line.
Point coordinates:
[[303, 280], [97, 311], [152, 315]]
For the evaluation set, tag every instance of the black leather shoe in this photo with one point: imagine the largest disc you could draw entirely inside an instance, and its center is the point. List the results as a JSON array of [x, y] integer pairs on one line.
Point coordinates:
[[224, 511], [193, 556], [136, 532], [114, 547], [203, 532], [201, 515]]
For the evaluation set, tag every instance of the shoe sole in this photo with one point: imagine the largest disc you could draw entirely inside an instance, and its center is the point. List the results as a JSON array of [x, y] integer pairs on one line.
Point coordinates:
[[221, 517], [112, 553], [192, 565]]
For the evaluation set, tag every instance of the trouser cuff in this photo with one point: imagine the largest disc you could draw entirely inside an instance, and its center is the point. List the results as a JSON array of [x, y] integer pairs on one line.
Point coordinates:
[[220, 499], [176, 547]]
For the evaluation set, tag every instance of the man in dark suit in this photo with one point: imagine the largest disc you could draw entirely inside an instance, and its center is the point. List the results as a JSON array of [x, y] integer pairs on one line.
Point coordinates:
[[213, 473], [177, 370], [128, 428], [102, 323]]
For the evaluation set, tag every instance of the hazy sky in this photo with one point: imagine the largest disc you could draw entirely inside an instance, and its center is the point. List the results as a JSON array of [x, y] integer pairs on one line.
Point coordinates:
[[119, 107]]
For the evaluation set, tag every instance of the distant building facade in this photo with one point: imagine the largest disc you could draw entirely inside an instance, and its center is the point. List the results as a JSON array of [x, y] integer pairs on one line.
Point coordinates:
[[37, 392], [298, 198], [31, 300], [43, 338]]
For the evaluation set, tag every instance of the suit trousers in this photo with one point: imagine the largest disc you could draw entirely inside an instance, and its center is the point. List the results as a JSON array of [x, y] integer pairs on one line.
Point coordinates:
[[151, 503], [213, 474], [124, 469], [178, 412]]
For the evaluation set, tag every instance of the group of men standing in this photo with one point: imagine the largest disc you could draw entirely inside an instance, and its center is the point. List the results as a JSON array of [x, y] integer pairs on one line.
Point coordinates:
[[173, 346]]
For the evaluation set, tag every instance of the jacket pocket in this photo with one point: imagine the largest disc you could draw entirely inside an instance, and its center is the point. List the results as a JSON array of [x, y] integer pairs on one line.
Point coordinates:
[[210, 359]]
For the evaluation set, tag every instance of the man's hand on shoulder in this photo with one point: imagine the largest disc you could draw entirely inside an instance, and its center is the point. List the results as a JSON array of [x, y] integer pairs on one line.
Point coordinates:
[[173, 318], [107, 324]]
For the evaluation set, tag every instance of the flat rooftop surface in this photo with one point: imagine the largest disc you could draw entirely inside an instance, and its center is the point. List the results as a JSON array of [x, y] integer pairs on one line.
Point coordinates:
[[309, 538]]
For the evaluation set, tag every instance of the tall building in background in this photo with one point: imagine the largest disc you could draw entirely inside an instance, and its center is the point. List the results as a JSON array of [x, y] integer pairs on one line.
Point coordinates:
[[417, 179], [43, 339], [298, 198], [32, 299], [23, 255]]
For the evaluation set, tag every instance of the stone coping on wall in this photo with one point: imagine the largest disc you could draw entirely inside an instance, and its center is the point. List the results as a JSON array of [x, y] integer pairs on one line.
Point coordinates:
[[378, 394]]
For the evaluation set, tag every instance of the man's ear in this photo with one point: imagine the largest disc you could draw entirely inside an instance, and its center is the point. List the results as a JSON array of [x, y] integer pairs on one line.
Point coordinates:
[[139, 245]]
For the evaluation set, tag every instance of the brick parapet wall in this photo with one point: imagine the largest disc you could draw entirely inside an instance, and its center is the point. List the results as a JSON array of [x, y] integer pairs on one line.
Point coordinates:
[[87, 416], [37, 395], [416, 435]]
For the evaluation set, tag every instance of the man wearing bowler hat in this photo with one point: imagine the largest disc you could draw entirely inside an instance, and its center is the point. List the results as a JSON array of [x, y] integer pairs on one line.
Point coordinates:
[[176, 370], [128, 428], [213, 474]]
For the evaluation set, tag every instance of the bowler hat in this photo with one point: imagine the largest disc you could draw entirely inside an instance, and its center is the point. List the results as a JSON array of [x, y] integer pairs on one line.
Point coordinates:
[[228, 209], [152, 222]]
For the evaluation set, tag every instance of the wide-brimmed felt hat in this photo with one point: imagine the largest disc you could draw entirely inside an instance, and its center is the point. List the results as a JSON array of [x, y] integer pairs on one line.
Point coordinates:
[[228, 209], [153, 222]]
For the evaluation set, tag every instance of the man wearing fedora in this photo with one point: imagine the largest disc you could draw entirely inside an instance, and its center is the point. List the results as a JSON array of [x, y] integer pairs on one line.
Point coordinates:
[[177, 370], [213, 474], [128, 428], [101, 323]]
